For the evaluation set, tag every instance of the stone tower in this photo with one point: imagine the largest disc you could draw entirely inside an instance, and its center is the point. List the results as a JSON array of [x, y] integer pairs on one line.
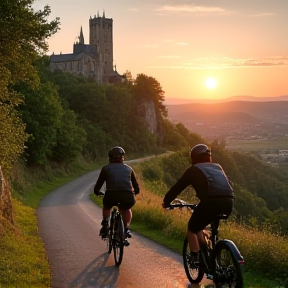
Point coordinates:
[[101, 38]]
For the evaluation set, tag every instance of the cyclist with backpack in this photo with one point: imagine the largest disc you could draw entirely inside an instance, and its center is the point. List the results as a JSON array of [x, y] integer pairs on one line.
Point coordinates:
[[121, 188], [212, 188]]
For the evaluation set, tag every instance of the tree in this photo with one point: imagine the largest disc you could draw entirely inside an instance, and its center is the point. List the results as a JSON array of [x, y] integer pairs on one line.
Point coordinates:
[[42, 112], [23, 37], [149, 88]]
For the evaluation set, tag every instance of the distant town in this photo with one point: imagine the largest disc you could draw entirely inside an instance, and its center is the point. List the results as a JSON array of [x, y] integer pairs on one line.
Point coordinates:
[[244, 126]]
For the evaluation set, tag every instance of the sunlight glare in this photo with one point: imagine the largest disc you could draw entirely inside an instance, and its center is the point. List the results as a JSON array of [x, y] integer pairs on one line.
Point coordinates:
[[211, 83]]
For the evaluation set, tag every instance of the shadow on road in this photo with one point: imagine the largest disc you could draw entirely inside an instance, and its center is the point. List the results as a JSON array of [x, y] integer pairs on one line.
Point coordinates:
[[96, 274]]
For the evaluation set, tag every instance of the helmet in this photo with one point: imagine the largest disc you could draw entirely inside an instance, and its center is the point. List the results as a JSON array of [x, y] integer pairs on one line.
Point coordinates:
[[199, 149], [116, 152]]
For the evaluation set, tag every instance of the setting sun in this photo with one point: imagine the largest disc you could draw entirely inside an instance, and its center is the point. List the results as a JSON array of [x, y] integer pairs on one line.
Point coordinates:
[[210, 83]]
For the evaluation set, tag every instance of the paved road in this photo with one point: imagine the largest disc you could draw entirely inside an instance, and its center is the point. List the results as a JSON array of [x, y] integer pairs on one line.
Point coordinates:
[[69, 224]]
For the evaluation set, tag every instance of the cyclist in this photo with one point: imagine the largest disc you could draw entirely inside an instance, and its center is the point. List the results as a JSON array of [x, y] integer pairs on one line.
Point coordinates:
[[121, 187], [212, 188]]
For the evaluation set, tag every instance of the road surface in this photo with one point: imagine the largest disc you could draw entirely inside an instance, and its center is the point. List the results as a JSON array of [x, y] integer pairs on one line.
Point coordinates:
[[69, 224]]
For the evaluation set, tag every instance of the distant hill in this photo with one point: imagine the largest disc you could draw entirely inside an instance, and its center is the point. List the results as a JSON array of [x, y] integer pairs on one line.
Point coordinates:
[[276, 111], [178, 101], [233, 118]]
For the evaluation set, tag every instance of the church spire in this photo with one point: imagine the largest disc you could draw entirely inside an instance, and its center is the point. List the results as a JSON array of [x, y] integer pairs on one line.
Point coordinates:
[[81, 37]]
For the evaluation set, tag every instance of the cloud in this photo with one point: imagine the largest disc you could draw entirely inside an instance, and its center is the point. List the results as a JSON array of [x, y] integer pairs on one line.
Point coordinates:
[[252, 62], [188, 9], [263, 15], [225, 62]]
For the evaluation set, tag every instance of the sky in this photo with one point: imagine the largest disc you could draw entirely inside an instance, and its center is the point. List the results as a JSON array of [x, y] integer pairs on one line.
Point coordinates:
[[241, 45]]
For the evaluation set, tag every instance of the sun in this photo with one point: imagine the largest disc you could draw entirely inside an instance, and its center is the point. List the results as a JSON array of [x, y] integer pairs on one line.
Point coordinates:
[[211, 83]]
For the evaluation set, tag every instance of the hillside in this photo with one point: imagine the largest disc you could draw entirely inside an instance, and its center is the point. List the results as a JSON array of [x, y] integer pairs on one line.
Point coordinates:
[[232, 118], [178, 101]]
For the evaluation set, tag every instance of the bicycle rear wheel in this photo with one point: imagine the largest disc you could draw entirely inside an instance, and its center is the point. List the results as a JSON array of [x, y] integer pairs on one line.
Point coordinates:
[[118, 241], [228, 270], [193, 273]]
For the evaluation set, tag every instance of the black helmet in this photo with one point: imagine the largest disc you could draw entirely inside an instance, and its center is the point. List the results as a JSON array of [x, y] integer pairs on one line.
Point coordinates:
[[116, 152], [199, 149]]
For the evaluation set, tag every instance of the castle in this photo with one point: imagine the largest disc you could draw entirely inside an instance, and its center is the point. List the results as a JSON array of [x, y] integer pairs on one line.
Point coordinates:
[[94, 59]]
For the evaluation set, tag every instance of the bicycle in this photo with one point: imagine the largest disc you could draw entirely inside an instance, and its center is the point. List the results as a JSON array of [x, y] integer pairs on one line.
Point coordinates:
[[219, 259], [116, 235]]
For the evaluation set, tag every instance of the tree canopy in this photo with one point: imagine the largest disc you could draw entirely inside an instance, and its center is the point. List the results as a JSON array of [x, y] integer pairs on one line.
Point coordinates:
[[23, 37]]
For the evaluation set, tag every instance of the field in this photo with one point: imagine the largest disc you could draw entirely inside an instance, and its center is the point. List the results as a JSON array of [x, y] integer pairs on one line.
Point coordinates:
[[257, 145]]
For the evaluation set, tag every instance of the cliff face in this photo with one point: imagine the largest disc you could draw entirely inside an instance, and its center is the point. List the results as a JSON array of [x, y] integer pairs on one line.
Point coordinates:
[[148, 112], [6, 209]]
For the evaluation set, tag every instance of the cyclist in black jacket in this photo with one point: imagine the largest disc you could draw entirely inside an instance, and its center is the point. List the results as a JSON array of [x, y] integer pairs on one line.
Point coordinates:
[[121, 188], [212, 188]]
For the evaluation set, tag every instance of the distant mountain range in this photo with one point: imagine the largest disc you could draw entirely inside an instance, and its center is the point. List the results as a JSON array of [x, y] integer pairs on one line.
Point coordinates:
[[226, 116], [177, 101]]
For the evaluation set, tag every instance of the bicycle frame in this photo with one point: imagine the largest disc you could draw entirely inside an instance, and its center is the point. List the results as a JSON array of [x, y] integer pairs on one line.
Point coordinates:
[[116, 236], [221, 262]]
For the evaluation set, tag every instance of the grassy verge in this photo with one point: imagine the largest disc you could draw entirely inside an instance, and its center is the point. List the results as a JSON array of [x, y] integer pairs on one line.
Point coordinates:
[[23, 260], [168, 228]]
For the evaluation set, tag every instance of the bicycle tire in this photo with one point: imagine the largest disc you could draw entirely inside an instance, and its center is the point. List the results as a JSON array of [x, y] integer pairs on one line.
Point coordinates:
[[194, 274], [110, 234], [118, 243], [110, 241], [228, 269]]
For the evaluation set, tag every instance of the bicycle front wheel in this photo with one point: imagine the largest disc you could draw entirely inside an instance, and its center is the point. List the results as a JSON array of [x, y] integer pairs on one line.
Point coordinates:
[[110, 241], [118, 241], [193, 272], [228, 269]]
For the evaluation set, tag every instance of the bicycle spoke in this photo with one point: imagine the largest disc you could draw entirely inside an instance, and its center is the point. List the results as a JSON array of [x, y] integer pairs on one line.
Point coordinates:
[[194, 272]]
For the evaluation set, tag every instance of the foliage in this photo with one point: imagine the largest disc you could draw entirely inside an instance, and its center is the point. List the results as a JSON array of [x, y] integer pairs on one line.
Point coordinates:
[[12, 136], [23, 37], [255, 246], [23, 258], [147, 87], [250, 205]]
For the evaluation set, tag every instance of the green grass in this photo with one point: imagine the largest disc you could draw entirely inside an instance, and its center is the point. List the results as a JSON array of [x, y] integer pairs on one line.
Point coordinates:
[[257, 145], [23, 258], [265, 254]]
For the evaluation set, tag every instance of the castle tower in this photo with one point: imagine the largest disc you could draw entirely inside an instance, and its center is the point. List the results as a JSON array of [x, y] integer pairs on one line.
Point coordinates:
[[101, 38]]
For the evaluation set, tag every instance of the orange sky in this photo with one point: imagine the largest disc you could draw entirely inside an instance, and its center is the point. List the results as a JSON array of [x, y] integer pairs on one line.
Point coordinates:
[[242, 44]]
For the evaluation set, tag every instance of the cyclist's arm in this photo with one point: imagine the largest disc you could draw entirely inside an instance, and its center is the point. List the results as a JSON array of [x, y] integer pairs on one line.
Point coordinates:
[[100, 181], [177, 188], [135, 183]]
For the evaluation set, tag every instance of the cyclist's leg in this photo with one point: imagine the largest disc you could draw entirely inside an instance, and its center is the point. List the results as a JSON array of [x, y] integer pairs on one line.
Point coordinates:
[[197, 222], [126, 216], [107, 205], [126, 202]]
